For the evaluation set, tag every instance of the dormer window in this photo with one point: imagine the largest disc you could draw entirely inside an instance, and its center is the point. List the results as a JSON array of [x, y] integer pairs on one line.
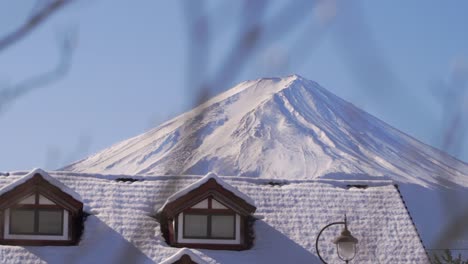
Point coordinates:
[[208, 219], [38, 210], [36, 215], [207, 214]]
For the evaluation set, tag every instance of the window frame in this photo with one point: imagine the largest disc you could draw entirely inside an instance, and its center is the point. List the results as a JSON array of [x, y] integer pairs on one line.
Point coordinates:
[[36, 221], [37, 207], [209, 213]]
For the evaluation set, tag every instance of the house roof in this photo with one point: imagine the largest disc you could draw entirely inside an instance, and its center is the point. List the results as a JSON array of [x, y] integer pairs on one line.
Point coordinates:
[[122, 224]]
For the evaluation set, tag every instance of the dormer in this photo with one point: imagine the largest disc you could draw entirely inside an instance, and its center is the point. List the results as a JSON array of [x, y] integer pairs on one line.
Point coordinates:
[[208, 214], [39, 210]]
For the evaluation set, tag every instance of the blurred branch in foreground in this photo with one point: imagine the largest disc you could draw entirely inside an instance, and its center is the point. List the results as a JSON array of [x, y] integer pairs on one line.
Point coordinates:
[[44, 9], [12, 92], [253, 30], [56, 156], [453, 97]]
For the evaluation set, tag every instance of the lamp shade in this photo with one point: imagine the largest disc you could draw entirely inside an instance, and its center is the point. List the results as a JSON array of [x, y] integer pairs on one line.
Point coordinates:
[[346, 245]]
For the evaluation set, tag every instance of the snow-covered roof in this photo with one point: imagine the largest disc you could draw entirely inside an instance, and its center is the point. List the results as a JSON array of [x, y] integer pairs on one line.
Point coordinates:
[[122, 224], [45, 176], [184, 251], [205, 179]]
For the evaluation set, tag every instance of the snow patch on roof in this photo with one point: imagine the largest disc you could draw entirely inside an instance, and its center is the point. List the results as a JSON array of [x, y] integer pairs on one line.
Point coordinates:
[[200, 182], [180, 253], [46, 177]]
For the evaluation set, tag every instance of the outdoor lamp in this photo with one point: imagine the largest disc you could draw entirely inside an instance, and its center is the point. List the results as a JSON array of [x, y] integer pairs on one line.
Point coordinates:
[[345, 243]]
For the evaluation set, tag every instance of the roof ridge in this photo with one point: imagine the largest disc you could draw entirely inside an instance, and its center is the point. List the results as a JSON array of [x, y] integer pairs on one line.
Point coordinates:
[[282, 181]]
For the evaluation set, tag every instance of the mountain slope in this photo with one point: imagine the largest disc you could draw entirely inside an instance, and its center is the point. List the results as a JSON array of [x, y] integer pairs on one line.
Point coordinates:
[[278, 128]]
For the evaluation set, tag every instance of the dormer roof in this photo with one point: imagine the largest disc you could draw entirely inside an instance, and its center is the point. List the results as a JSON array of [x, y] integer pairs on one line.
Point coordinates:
[[210, 184], [38, 177]]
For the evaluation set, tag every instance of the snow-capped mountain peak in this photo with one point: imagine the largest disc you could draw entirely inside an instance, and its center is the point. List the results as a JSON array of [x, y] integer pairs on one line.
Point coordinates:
[[286, 128]]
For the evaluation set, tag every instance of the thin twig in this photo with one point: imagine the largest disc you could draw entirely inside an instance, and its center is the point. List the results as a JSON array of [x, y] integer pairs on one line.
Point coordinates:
[[33, 22], [11, 94]]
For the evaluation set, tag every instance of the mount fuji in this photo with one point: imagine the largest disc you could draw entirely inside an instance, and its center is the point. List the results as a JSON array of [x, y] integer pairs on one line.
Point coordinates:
[[293, 129], [283, 128]]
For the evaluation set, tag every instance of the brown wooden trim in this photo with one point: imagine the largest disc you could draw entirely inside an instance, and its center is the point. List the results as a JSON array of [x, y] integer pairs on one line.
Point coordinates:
[[210, 202], [208, 211], [212, 246], [27, 242], [17, 194], [36, 206], [242, 229], [73, 224], [2, 224], [172, 232]]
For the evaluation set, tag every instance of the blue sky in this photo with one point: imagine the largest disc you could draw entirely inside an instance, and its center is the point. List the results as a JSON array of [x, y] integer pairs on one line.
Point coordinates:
[[129, 68]]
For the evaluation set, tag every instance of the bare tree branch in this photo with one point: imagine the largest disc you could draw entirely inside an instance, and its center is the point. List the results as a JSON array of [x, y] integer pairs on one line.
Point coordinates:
[[10, 94], [33, 22], [452, 95], [255, 33]]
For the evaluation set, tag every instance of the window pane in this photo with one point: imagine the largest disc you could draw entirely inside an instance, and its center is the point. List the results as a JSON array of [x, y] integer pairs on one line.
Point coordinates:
[[202, 204], [50, 222], [195, 225], [29, 200], [222, 226], [21, 221], [217, 205], [43, 200]]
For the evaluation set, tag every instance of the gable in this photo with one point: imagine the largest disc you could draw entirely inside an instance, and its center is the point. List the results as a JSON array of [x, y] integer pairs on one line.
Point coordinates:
[[45, 176], [195, 194], [37, 182]]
